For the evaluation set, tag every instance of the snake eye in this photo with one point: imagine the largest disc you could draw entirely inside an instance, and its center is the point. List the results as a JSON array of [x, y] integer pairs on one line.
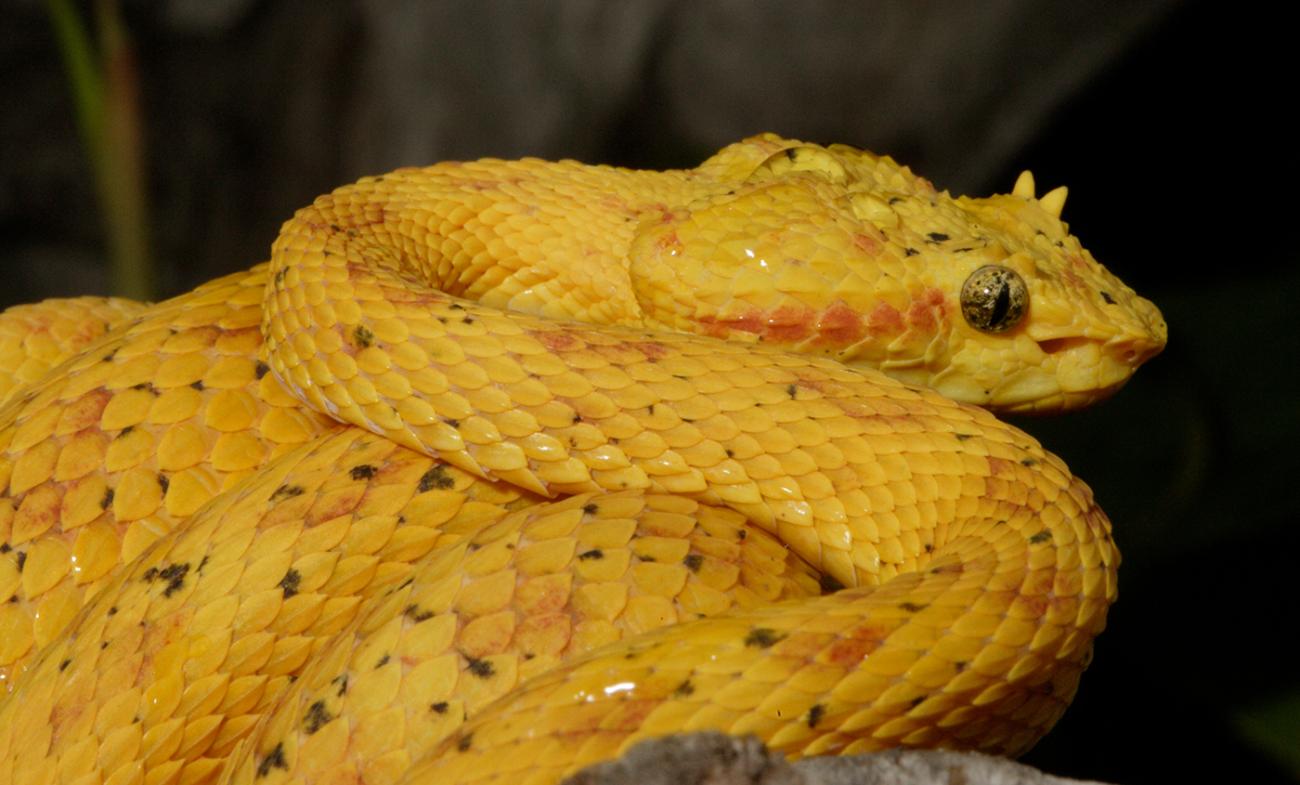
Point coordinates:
[[994, 299]]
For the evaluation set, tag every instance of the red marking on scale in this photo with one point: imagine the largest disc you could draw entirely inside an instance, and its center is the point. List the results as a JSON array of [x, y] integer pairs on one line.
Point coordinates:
[[849, 652], [871, 246], [840, 325], [85, 411], [884, 319], [927, 310], [558, 340], [788, 324]]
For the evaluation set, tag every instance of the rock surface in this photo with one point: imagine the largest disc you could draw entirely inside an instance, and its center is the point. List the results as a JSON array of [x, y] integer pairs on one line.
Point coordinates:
[[716, 759]]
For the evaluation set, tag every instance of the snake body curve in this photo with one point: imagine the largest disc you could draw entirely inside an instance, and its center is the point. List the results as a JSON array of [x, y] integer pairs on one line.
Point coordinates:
[[379, 512]]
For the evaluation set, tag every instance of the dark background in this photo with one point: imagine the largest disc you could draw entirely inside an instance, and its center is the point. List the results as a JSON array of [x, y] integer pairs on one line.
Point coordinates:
[[1164, 118]]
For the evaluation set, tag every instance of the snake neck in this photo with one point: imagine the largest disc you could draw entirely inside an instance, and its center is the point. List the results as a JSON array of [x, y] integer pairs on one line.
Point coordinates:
[[550, 239]]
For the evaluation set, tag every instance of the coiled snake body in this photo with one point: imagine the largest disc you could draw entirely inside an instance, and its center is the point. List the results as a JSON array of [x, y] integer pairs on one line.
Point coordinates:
[[382, 511]]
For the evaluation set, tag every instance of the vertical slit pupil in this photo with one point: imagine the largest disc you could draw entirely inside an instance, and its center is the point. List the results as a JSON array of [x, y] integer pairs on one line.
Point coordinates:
[[1001, 303]]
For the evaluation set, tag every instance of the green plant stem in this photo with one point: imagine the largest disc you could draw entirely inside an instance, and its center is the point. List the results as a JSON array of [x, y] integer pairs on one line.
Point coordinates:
[[105, 90]]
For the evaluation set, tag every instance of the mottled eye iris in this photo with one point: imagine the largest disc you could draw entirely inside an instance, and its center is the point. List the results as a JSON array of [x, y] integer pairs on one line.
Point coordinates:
[[994, 299]]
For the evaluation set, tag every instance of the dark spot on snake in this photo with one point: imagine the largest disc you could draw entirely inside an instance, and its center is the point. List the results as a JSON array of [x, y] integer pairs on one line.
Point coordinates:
[[290, 582], [382, 662], [5, 547], [125, 431], [261, 369], [163, 482], [762, 638], [103, 645], [913, 607], [435, 478], [961, 437], [416, 615], [451, 421], [693, 561], [467, 320], [13, 598], [112, 611], [342, 681], [439, 708], [528, 655], [173, 574], [198, 385], [962, 250], [480, 668], [651, 408], [1105, 296], [684, 689], [145, 386], [105, 502], [1028, 462], [910, 252], [829, 584], [273, 760], [895, 199], [577, 418], [464, 742], [792, 391], [590, 508], [1042, 536], [22, 560], [362, 336], [202, 563], [815, 714], [316, 717], [63, 666], [936, 237], [286, 492], [929, 547], [742, 534], [363, 472], [594, 553], [917, 701], [109, 357]]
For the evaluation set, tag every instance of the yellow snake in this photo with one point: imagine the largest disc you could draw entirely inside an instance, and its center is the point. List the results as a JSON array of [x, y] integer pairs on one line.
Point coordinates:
[[383, 511]]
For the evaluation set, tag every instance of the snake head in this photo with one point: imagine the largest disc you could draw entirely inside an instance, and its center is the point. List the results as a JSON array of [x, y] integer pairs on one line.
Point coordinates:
[[837, 251]]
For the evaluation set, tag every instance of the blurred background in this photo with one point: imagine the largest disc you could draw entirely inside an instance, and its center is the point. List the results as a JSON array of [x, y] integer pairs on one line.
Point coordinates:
[[174, 136]]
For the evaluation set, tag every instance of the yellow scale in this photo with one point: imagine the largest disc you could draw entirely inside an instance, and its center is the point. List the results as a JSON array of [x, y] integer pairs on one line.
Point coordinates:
[[385, 510]]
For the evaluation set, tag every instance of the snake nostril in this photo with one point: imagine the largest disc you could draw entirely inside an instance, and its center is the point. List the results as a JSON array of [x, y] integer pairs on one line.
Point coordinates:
[[1058, 345]]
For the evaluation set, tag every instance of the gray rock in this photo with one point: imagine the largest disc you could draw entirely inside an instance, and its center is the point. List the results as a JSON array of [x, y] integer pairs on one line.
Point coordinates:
[[716, 759]]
